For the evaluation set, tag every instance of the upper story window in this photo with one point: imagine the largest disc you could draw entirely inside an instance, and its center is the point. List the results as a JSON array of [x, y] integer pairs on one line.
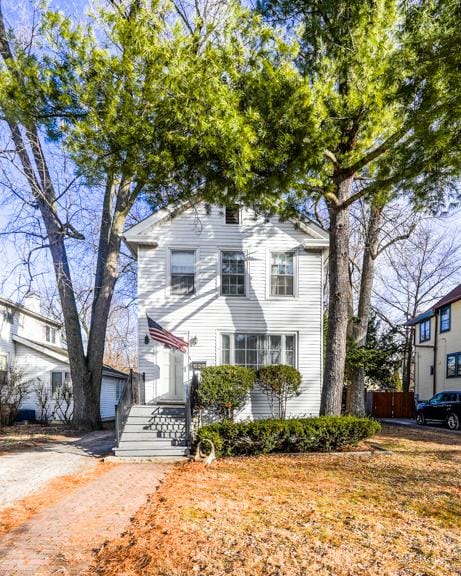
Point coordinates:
[[282, 274], [233, 215], [425, 330], [255, 350], [8, 316], [233, 273], [445, 318], [182, 272], [50, 334]]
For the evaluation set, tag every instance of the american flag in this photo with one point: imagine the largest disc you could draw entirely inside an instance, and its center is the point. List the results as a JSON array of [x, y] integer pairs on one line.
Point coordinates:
[[161, 335]]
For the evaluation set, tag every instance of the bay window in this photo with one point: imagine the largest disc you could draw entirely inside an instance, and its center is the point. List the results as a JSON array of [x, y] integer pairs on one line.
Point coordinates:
[[256, 350]]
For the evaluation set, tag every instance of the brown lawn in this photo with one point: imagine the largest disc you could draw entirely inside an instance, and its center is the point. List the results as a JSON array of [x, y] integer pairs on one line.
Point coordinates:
[[384, 514], [24, 436]]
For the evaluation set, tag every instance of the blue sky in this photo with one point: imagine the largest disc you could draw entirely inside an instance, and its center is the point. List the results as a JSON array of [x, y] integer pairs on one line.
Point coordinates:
[[17, 12]]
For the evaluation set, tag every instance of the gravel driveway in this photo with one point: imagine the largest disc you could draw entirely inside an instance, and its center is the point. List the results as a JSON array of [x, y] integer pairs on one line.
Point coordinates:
[[25, 472]]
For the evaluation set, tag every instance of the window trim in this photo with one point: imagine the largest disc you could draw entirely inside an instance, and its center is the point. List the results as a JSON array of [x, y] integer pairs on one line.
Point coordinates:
[[63, 379], [425, 321], [6, 356], [246, 276], [232, 335], [237, 207], [446, 307], [52, 331], [8, 315], [457, 356], [172, 249], [269, 294]]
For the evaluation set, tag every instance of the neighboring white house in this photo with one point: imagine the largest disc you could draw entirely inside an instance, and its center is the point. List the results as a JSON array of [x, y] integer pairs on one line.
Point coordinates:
[[240, 289], [33, 343]]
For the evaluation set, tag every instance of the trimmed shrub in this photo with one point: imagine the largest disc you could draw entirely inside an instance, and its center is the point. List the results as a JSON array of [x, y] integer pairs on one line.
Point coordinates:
[[321, 434], [224, 389], [279, 382]]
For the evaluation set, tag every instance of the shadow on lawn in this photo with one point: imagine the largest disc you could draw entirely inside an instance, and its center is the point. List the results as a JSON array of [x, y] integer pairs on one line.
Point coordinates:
[[402, 437]]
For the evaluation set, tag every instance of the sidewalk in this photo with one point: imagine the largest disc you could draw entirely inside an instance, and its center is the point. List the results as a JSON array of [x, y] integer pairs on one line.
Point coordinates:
[[61, 538], [411, 423]]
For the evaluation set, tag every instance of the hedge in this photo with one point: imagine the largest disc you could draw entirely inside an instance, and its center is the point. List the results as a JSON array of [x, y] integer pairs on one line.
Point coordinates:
[[321, 434]]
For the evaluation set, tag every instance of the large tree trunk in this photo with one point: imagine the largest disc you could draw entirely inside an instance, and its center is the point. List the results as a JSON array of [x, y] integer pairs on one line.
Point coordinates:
[[355, 403], [107, 272], [86, 369], [338, 268], [408, 360]]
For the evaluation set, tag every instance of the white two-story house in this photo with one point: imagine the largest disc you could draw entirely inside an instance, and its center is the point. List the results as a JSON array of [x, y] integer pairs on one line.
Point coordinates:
[[33, 344], [239, 288]]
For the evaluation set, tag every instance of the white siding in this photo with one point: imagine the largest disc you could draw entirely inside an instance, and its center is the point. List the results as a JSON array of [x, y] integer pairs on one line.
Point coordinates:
[[207, 314], [35, 365], [109, 398], [6, 333]]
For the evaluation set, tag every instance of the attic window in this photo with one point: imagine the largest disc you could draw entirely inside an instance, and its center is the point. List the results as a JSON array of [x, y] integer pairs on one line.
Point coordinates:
[[232, 215]]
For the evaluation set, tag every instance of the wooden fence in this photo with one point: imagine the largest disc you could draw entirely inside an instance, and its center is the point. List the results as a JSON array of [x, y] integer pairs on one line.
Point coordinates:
[[391, 404]]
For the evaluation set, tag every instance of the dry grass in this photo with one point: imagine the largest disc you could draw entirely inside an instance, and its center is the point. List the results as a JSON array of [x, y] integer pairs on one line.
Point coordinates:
[[383, 514], [24, 436], [54, 490]]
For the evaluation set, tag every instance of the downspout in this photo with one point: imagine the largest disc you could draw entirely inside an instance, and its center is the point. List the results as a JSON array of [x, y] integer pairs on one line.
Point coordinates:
[[434, 371]]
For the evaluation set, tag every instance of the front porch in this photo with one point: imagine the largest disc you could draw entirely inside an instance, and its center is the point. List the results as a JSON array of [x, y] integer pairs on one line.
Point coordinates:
[[156, 428]]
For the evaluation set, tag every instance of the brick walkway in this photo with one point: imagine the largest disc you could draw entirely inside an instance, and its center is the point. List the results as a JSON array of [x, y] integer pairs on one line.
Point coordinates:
[[61, 538]]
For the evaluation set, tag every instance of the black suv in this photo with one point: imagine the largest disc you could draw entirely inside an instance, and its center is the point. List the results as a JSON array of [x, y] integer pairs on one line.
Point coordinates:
[[443, 407]]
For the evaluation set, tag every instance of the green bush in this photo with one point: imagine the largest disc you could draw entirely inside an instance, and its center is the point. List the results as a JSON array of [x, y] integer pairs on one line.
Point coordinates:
[[321, 434], [279, 382], [224, 389]]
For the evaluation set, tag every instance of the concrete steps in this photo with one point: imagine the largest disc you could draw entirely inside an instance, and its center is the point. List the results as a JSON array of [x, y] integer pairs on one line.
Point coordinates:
[[154, 431]]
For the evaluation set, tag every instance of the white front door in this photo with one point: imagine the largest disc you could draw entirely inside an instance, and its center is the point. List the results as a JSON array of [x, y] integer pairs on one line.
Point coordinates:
[[176, 375]]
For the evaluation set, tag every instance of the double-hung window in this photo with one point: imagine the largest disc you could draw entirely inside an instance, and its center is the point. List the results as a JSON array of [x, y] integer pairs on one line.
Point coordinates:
[[58, 378], [182, 269], [282, 274], [232, 215], [50, 334], [445, 318], [425, 330], [256, 350], [8, 316], [3, 367], [233, 273]]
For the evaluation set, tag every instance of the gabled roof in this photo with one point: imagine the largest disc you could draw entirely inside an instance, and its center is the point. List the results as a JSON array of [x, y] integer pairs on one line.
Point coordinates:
[[61, 354], [449, 298], [420, 318], [134, 235], [16, 306], [452, 296]]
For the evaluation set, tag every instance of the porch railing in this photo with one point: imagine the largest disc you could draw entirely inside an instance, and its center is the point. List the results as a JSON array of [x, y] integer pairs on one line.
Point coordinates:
[[191, 403], [133, 392]]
